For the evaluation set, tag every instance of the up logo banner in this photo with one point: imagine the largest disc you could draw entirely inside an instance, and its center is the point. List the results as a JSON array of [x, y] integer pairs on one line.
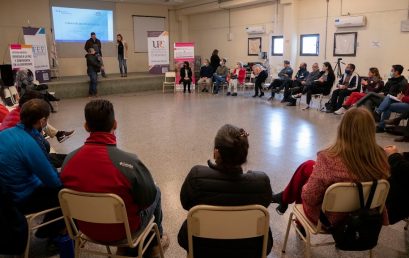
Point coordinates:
[[158, 51]]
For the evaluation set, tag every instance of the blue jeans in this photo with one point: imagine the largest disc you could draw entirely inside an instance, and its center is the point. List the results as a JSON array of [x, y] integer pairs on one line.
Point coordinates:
[[122, 65], [156, 210], [93, 80], [398, 107], [218, 79]]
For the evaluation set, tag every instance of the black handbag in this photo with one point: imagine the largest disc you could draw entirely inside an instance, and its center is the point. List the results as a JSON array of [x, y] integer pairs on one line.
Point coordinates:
[[360, 230]]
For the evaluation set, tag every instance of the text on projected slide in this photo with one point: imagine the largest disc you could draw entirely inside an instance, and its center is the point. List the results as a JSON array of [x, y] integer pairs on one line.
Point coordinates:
[[75, 24]]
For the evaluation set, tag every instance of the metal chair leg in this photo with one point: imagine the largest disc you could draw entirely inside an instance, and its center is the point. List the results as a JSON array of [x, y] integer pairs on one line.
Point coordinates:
[[287, 232]]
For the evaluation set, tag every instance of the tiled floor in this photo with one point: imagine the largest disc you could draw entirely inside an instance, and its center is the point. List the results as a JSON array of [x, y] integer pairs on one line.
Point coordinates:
[[171, 133]]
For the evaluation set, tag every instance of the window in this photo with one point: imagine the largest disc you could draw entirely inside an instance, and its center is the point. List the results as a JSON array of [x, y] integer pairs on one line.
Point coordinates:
[[277, 48], [310, 45]]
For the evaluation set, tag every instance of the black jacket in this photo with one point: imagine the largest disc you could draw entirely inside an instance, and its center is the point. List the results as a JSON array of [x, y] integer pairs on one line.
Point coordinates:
[[214, 62], [206, 71], [395, 85], [93, 44], [183, 73], [327, 85], [93, 65], [397, 203], [261, 78], [224, 187]]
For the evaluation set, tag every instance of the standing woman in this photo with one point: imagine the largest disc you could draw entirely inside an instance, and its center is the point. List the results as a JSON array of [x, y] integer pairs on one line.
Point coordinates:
[[186, 76], [122, 47], [215, 60]]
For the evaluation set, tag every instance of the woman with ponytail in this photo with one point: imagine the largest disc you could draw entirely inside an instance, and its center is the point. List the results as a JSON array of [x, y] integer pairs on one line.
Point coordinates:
[[224, 183]]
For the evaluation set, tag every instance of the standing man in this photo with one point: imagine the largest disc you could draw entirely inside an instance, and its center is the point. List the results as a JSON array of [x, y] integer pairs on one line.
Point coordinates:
[[93, 67], [95, 43]]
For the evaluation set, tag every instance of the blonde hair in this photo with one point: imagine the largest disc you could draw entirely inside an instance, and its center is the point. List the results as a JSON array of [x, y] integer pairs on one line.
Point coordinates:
[[357, 147]]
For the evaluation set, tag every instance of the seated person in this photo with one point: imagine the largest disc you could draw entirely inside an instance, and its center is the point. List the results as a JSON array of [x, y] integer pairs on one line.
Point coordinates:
[[397, 203], [297, 81], [284, 77], [373, 83], [112, 170], [335, 164], [398, 104], [395, 84], [25, 172], [206, 74], [220, 76], [237, 77], [13, 118], [348, 83], [3, 112], [25, 81], [186, 76], [308, 81], [396, 122], [321, 86], [225, 184], [261, 76]]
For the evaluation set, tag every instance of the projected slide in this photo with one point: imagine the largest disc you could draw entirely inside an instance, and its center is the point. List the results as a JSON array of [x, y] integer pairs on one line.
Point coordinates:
[[75, 25]]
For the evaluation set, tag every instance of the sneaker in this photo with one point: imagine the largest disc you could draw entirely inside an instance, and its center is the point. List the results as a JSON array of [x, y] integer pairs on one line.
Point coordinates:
[[228, 94], [395, 121], [296, 96], [63, 135], [203, 90], [402, 139], [164, 242], [329, 110], [282, 208], [306, 108], [234, 94], [292, 104], [340, 111], [261, 94]]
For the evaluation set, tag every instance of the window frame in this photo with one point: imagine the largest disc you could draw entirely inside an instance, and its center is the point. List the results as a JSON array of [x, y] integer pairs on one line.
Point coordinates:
[[317, 51], [273, 38]]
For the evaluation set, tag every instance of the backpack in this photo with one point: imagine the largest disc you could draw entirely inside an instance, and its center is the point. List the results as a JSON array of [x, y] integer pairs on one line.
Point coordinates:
[[360, 230]]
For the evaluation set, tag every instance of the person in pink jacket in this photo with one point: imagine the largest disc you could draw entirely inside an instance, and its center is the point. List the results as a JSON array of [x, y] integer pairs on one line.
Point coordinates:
[[237, 77], [353, 157]]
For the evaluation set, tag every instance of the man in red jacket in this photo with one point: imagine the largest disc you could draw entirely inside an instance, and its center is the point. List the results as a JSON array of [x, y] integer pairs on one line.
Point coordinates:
[[100, 167]]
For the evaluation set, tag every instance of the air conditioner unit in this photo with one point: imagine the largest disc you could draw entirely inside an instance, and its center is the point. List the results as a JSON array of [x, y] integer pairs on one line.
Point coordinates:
[[350, 21], [255, 30]]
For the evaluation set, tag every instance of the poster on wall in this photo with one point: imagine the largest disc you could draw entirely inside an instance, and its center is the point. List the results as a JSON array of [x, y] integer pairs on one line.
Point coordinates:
[[21, 57], [158, 51], [37, 39], [184, 51]]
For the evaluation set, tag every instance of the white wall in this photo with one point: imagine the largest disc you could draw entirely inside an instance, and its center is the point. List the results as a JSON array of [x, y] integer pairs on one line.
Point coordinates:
[[209, 31]]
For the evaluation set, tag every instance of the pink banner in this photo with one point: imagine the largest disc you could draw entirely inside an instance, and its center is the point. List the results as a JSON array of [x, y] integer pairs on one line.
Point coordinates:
[[184, 51]]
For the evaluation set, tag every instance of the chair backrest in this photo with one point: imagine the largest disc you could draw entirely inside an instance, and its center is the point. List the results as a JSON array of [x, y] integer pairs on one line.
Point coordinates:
[[344, 197], [228, 222], [102, 208], [170, 77]]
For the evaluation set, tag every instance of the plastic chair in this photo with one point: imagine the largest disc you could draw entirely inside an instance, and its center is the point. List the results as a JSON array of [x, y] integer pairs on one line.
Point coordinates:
[[170, 81], [250, 83], [103, 208], [339, 197], [31, 218], [228, 222]]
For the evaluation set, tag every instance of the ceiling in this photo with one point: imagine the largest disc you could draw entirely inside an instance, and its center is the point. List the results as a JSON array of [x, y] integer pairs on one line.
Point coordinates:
[[164, 2]]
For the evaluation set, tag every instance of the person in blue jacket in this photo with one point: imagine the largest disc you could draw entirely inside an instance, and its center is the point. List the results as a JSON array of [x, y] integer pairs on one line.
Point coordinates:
[[25, 171]]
